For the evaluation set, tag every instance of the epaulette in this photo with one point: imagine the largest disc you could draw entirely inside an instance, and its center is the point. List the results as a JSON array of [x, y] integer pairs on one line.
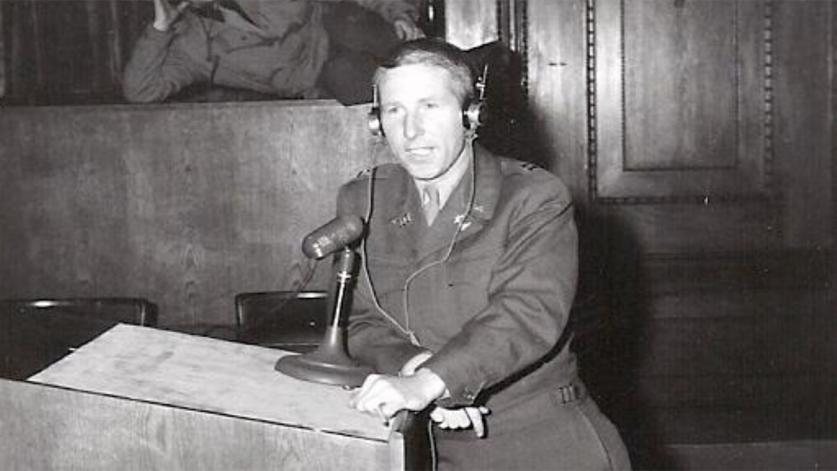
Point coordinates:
[[381, 171]]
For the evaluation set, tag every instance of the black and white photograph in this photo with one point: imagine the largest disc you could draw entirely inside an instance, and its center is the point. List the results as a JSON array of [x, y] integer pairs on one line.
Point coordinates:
[[408, 235]]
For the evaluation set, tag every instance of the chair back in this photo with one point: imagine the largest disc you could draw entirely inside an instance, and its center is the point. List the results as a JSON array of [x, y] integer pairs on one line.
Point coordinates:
[[288, 320], [34, 333], [138, 311]]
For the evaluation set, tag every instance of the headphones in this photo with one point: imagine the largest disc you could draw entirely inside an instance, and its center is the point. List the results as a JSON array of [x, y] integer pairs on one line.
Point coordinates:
[[473, 113]]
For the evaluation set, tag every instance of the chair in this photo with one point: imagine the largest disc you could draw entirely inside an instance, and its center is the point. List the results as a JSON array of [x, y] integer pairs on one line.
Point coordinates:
[[137, 311], [35, 333], [288, 320]]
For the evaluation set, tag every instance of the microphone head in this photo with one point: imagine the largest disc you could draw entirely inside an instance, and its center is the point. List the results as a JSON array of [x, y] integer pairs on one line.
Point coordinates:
[[332, 236]]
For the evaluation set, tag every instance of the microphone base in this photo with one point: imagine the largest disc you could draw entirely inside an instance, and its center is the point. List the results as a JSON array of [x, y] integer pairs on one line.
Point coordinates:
[[325, 366]]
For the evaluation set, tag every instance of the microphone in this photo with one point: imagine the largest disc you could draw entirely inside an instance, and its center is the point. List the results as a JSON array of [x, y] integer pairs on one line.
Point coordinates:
[[332, 236]]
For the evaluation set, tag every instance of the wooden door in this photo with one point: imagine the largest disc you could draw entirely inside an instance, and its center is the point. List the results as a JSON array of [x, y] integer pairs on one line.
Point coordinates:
[[697, 137]]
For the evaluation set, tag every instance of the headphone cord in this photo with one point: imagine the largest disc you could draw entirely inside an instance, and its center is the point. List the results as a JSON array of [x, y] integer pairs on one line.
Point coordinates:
[[364, 258], [460, 222]]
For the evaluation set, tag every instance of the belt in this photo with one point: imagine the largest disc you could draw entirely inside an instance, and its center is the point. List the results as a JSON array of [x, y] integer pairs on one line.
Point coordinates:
[[523, 413]]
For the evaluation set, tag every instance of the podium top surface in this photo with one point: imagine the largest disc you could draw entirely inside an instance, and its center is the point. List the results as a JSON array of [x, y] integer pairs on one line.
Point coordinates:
[[209, 375]]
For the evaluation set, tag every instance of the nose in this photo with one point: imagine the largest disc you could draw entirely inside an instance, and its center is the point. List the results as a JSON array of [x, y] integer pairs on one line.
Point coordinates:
[[413, 125]]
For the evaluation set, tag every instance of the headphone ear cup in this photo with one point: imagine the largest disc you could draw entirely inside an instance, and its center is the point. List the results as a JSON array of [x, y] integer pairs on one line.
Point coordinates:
[[373, 121], [474, 115]]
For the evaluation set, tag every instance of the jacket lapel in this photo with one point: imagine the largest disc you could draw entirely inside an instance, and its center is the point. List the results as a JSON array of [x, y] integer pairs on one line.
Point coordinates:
[[486, 173]]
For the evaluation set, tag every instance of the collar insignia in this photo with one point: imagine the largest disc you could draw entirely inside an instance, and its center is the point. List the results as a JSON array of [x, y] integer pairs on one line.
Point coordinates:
[[403, 220]]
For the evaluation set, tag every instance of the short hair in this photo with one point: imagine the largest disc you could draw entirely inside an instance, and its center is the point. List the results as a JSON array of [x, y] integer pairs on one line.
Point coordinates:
[[435, 52]]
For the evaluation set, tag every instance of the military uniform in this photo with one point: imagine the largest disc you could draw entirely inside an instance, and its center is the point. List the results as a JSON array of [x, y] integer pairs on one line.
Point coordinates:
[[281, 53], [491, 305]]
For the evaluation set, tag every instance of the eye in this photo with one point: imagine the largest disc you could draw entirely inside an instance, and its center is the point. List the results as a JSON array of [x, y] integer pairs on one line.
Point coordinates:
[[431, 105], [391, 110]]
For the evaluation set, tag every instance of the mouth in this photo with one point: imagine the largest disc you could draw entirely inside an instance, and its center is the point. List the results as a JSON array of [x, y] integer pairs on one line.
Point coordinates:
[[420, 152]]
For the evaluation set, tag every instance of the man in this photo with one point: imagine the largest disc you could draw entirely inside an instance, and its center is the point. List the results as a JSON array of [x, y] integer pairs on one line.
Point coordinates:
[[468, 276], [273, 47]]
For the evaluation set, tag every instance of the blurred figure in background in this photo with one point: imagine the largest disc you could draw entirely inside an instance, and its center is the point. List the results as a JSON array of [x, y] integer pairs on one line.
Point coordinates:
[[267, 48]]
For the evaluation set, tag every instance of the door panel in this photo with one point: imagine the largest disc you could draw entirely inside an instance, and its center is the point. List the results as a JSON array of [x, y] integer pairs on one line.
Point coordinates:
[[682, 100]]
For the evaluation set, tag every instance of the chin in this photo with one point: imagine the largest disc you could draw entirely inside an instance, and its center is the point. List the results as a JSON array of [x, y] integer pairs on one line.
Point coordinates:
[[421, 175]]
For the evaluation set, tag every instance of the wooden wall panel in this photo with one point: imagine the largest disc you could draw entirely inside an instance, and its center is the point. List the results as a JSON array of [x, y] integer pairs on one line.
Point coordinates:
[[3, 54], [555, 33], [185, 204], [681, 109], [690, 150], [805, 122], [69, 51], [687, 104]]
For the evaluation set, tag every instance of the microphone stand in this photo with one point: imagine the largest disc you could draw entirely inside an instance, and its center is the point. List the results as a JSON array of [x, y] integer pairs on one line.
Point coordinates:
[[329, 363]]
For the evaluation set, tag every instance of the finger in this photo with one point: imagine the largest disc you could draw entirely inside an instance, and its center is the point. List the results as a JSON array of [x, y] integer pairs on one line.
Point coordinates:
[[475, 416], [361, 394], [400, 31], [382, 415], [455, 419], [436, 415], [461, 418]]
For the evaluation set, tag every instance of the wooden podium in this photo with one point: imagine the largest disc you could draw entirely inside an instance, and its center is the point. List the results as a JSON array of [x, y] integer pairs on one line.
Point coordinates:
[[141, 398]]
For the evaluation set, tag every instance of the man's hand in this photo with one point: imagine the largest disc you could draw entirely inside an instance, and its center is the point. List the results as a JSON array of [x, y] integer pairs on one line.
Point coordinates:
[[384, 395], [461, 418], [406, 30], [165, 14]]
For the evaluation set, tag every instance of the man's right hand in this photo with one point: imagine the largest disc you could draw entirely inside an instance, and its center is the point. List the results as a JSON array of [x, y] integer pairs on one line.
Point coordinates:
[[165, 14]]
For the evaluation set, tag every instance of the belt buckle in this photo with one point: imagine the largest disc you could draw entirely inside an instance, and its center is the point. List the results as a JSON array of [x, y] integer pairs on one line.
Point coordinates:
[[569, 393]]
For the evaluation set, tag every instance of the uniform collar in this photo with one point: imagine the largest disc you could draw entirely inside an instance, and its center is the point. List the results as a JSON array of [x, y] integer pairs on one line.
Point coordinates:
[[404, 214]]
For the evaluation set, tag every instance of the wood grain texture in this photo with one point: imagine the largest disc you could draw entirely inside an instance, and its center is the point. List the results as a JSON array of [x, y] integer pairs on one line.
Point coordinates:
[[3, 54], [209, 375], [805, 106], [70, 51], [683, 228], [668, 123], [681, 78], [185, 205], [45, 427], [557, 89]]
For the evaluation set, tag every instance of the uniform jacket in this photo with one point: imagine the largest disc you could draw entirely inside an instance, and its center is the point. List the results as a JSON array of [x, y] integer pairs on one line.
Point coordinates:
[[493, 310], [282, 55]]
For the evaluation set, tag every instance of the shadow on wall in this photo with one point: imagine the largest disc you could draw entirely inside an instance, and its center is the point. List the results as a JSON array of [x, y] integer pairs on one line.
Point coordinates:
[[610, 318], [509, 128], [611, 323]]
